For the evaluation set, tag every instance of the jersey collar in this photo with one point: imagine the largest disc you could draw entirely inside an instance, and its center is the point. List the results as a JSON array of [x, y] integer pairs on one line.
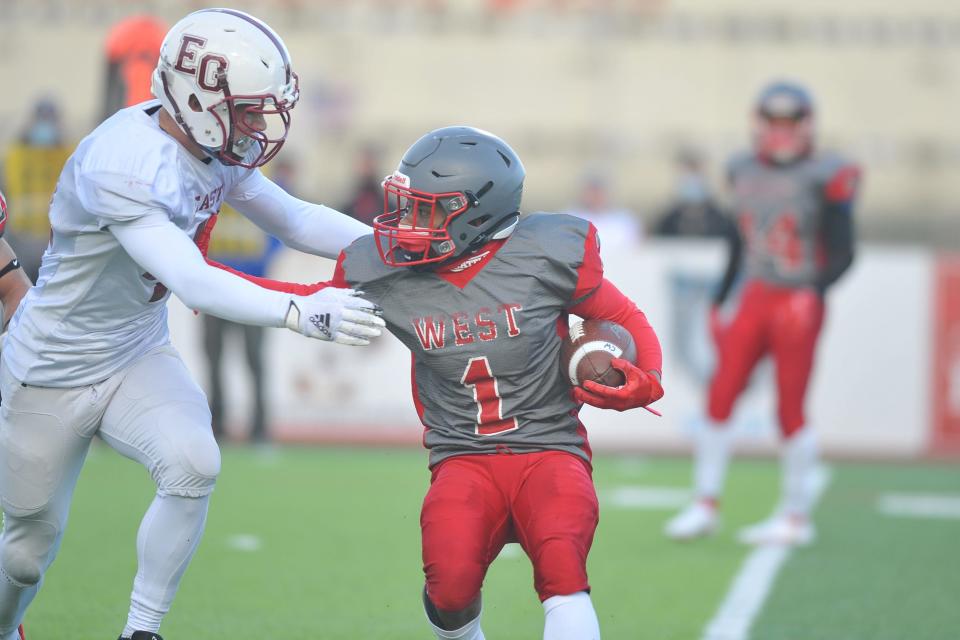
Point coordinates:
[[461, 271]]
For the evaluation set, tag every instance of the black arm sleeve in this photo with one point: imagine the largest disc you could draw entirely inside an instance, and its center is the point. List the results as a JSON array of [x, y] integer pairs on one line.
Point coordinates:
[[734, 258], [837, 237]]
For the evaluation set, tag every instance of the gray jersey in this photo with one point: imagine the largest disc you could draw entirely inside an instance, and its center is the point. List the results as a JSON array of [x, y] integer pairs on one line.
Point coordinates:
[[779, 210], [93, 310], [486, 356]]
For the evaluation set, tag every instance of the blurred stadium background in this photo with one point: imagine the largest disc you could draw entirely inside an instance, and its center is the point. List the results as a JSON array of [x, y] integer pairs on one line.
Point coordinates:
[[603, 100]]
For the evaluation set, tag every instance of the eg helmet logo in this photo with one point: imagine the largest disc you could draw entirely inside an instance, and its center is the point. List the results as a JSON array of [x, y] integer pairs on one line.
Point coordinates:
[[211, 70]]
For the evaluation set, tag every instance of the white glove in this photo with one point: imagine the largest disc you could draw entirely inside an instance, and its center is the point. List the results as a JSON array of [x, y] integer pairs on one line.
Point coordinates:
[[335, 314]]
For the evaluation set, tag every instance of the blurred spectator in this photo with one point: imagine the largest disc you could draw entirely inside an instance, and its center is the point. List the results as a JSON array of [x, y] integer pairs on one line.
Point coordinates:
[[332, 105], [240, 245], [132, 48], [45, 127], [366, 197], [619, 228], [31, 169], [693, 211]]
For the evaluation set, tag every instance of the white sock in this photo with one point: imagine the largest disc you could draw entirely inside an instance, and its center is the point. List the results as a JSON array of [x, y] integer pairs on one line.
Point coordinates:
[[570, 618], [711, 458], [798, 460], [168, 536], [14, 599]]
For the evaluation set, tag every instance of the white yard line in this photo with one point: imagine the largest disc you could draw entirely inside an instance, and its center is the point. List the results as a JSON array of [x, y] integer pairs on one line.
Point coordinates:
[[920, 505], [244, 542], [749, 589], [643, 497]]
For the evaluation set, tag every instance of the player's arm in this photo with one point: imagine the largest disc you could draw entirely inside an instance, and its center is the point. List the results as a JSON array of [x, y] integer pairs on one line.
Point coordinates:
[[274, 285], [202, 240], [607, 302], [735, 248], [643, 376], [836, 226], [597, 297], [163, 250], [734, 261], [14, 283], [305, 226]]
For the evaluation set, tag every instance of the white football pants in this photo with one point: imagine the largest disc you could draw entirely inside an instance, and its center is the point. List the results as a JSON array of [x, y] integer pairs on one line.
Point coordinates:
[[152, 412]]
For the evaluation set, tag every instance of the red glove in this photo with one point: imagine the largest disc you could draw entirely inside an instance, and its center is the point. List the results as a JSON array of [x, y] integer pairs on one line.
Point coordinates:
[[640, 389]]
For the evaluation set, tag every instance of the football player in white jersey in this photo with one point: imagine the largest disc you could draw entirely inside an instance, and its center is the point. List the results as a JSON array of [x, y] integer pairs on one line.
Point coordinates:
[[88, 351]]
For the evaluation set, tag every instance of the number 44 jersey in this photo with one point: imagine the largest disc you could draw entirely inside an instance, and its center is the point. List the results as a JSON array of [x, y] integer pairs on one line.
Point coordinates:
[[780, 213], [485, 335]]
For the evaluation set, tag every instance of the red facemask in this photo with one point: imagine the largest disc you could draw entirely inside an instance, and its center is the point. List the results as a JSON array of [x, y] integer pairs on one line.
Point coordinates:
[[414, 229], [783, 140]]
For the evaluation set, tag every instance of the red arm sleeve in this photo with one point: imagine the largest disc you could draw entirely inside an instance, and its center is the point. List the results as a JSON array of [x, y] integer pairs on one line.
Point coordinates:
[[590, 271], [276, 285], [596, 297], [609, 303], [339, 277], [202, 240]]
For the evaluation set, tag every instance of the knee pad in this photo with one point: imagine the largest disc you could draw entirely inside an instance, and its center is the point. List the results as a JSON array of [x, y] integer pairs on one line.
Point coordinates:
[[26, 554], [189, 464]]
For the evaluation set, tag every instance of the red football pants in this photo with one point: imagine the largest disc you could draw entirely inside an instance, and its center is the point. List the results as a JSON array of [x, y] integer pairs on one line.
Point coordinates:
[[477, 503], [776, 320]]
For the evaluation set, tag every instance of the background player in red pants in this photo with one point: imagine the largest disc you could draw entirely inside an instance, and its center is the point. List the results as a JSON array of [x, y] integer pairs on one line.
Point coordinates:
[[792, 238], [480, 296]]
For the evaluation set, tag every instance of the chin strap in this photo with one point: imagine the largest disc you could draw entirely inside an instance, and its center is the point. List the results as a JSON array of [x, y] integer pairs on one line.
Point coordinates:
[[509, 224], [503, 230]]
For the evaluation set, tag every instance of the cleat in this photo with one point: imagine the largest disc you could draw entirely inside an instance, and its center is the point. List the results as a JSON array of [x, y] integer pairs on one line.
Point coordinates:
[[780, 529], [20, 633], [142, 635], [696, 521]]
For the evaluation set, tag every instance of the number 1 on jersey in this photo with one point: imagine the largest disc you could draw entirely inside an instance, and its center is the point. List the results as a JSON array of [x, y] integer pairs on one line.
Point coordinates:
[[486, 393]]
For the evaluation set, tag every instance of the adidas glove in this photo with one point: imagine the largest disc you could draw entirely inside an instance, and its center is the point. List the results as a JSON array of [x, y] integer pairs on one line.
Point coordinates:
[[337, 315]]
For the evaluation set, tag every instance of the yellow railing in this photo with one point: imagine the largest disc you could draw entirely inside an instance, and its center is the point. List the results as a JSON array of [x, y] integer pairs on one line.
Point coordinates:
[[30, 177]]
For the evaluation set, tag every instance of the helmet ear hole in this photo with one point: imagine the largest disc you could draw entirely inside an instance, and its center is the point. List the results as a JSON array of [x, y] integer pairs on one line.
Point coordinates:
[[480, 221], [194, 103]]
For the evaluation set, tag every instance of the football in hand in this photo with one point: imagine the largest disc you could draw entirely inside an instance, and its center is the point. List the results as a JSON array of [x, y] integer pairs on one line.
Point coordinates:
[[586, 353]]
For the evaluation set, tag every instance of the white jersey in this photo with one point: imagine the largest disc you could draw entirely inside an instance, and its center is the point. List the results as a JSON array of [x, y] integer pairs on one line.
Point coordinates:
[[93, 310]]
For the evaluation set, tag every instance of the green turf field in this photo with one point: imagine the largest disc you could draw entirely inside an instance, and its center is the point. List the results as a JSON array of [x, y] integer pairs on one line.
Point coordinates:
[[324, 543]]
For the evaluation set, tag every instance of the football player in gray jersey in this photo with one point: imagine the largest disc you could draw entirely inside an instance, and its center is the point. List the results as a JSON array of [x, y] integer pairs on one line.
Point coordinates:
[[791, 238], [88, 351], [480, 295]]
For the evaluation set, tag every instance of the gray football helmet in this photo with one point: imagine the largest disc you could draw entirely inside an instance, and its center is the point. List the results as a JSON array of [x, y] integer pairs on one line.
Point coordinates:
[[783, 130], [455, 189]]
